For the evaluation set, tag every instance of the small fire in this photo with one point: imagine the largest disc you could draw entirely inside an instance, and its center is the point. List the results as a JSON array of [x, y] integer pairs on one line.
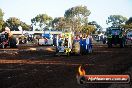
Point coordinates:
[[81, 71]]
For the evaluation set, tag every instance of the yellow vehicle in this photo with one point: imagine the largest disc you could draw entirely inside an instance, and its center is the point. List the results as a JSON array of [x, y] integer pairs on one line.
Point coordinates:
[[64, 44], [68, 44]]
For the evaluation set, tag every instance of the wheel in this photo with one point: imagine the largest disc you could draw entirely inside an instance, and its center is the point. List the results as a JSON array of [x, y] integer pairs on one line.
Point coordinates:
[[90, 50], [68, 53], [122, 45], [122, 42], [2, 46], [57, 50], [12, 42], [76, 48], [109, 44]]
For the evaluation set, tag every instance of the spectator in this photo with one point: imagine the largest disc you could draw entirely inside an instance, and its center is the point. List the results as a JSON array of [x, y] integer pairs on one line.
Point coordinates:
[[46, 41]]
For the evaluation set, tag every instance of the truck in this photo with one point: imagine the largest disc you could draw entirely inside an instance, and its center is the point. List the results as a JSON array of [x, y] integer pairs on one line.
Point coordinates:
[[115, 35]]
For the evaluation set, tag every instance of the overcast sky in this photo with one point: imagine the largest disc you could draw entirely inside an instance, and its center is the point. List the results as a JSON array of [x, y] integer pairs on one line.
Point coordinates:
[[100, 9]]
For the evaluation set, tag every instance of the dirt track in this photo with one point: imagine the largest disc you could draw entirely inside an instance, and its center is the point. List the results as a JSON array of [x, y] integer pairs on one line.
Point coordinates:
[[37, 67]]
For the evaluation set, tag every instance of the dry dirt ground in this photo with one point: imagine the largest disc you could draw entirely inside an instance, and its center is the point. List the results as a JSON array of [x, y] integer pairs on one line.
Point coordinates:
[[37, 67]]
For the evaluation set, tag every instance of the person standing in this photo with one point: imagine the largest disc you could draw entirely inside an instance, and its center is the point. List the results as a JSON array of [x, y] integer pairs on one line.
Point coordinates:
[[89, 40]]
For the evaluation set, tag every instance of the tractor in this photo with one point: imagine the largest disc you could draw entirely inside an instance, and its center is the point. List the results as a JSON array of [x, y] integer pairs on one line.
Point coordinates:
[[64, 44], [3, 40], [68, 44], [115, 35], [7, 39]]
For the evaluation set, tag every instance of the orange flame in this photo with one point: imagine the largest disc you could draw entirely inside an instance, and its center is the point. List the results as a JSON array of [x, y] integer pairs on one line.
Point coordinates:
[[81, 71]]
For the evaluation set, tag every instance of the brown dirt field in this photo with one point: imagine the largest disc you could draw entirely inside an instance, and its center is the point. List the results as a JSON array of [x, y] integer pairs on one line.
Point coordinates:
[[37, 67]]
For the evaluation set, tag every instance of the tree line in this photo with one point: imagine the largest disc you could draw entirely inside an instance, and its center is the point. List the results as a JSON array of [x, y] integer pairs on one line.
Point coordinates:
[[13, 23], [74, 19]]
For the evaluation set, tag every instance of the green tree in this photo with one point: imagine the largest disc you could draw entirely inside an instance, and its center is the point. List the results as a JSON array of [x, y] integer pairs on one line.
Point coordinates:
[[96, 25], [13, 23], [59, 23], [129, 21], [1, 19], [43, 20], [88, 29], [116, 20], [128, 24], [25, 26], [76, 17]]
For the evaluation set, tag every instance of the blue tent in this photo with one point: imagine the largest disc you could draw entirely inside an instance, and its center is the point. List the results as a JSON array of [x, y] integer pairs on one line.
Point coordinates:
[[46, 36]]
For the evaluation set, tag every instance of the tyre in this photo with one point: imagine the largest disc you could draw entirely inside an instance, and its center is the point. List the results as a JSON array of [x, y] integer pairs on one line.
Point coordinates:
[[12, 42], [68, 53], [90, 50], [2, 46], [122, 44], [109, 44], [76, 48]]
